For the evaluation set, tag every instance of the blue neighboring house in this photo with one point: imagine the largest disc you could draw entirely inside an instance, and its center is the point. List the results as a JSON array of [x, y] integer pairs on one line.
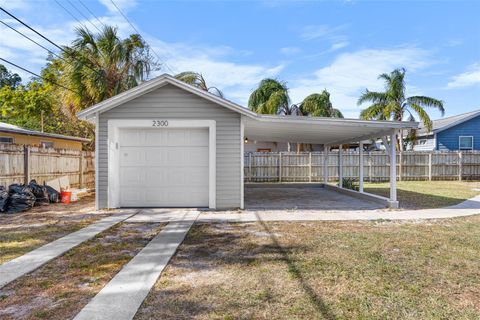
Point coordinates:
[[460, 132]]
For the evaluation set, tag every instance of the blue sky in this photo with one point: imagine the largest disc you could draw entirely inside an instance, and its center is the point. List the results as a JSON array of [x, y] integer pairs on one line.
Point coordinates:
[[340, 46]]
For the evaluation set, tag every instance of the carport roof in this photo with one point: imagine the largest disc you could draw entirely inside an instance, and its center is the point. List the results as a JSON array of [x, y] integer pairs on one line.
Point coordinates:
[[260, 127]]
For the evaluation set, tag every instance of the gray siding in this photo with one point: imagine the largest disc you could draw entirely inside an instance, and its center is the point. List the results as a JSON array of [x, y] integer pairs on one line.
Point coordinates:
[[429, 144], [170, 102]]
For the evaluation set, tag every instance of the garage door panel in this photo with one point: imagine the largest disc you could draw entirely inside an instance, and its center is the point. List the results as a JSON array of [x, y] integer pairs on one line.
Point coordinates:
[[164, 167]]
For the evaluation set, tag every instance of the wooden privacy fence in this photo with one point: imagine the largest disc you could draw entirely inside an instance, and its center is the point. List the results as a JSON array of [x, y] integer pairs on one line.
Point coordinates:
[[20, 164], [308, 166]]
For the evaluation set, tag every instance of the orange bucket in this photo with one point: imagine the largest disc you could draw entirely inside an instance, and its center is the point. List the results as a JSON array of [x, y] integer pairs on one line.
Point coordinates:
[[65, 196]]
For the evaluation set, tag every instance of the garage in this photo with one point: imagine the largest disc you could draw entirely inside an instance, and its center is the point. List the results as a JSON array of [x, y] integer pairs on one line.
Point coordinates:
[[163, 167], [165, 143]]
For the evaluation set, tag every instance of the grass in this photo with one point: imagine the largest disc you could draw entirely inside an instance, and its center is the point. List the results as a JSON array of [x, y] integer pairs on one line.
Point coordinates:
[[62, 287], [427, 194], [323, 270], [23, 232]]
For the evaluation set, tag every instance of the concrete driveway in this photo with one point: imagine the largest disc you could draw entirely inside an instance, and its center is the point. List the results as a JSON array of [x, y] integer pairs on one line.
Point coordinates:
[[302, 196]]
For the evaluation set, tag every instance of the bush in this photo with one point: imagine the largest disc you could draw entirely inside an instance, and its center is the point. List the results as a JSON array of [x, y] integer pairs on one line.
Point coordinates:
[[350, 183]]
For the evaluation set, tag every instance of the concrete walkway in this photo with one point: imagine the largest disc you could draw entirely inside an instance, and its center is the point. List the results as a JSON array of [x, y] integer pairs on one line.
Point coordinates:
[[466, 208], [22, 265], [124, 294]]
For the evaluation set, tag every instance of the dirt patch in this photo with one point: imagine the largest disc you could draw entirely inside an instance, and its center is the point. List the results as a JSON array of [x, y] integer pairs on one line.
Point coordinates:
[[23, 232], [62, 287], [323, 270]]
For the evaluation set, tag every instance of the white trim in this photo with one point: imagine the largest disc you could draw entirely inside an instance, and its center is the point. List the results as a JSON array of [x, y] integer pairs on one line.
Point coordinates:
[[113, 158], [460, 149], [340, 166], [97, 144], [242, 163]]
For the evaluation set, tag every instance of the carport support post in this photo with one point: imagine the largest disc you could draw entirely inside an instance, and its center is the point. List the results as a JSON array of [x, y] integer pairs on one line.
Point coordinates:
[[340, 166], [360, 164], [325, 163], [393, 171]]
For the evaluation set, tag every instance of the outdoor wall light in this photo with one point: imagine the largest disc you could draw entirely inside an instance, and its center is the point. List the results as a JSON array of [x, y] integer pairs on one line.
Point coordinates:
[[246, 140]]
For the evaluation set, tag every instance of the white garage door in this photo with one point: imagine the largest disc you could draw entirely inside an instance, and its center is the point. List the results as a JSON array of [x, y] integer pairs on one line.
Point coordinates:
[[162, 167]]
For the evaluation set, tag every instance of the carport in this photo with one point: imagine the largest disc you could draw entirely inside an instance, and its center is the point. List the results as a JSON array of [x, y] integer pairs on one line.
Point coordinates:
[[333, 132]]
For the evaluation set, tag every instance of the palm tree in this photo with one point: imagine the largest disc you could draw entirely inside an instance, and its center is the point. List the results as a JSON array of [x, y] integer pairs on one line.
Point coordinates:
[[197, 80], [271, 97], [319, 105], [392, 104], [99, 66]]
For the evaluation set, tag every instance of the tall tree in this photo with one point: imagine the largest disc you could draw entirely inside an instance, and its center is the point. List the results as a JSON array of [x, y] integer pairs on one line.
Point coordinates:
[[197, 80], [271, 97], [392, 104], [8, 78], [319, 105], [99, 66]]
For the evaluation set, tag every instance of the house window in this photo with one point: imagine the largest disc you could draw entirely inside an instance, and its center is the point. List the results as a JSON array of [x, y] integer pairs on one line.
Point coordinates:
[[422, 142], [6, 140], [46, 144], [264, 150], [465, 143]]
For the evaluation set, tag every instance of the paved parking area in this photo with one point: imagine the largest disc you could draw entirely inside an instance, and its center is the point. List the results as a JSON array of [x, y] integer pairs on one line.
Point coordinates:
[[302, 196]]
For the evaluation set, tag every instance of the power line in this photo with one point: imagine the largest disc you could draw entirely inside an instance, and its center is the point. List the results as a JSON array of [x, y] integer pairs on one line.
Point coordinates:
[[37, 75], [68, 11], [72, 53], [38, 44], [138, 32], [84, 16], [26, 25], [93, 14]]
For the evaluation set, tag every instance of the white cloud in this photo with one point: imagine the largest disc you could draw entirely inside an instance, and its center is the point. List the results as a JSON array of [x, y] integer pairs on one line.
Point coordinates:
[[236, 80], [468, 78], [124, 5], [290, 50], [339, 45], [351, 73], [321, 32]]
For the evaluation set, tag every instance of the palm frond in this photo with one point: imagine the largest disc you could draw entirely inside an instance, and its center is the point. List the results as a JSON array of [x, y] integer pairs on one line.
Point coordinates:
[[427, 102], [372, 96], [423, 116]]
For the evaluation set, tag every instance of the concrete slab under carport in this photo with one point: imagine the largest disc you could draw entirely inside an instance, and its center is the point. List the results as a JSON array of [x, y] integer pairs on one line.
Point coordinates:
[[281, 196]]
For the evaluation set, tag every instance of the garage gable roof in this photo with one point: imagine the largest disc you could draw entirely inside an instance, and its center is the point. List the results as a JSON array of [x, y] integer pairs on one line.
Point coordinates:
[[154, 84]]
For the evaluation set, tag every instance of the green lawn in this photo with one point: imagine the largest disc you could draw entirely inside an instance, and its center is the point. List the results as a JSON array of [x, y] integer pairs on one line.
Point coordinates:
[[323, 270], [427, 194]]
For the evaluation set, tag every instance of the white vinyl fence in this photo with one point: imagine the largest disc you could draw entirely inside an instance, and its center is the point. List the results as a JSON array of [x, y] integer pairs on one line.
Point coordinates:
[[20, 164], [308, 166]]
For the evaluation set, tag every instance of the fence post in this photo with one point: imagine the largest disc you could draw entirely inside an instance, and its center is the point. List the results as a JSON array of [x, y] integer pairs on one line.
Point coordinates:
[[430, 166], [279, 167], [250, 174], [369, 166], [310, 167], [80, 170], [400, 165], [460, 165], [26, 164]]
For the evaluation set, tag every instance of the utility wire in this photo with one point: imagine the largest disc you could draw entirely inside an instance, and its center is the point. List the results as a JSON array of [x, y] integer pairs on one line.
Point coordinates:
[[138, 32], [81, 13], [72, 53], [70, 13], [93, 14], [38, 44], [26, 25], [38, 76]]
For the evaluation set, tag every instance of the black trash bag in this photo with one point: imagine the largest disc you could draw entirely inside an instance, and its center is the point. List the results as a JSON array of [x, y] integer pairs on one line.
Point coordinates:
[[3, 199], [20, 198], [40, 193], [53, 195]]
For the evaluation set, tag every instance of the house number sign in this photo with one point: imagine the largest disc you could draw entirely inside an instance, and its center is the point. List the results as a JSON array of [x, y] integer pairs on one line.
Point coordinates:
[[159, 123]]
